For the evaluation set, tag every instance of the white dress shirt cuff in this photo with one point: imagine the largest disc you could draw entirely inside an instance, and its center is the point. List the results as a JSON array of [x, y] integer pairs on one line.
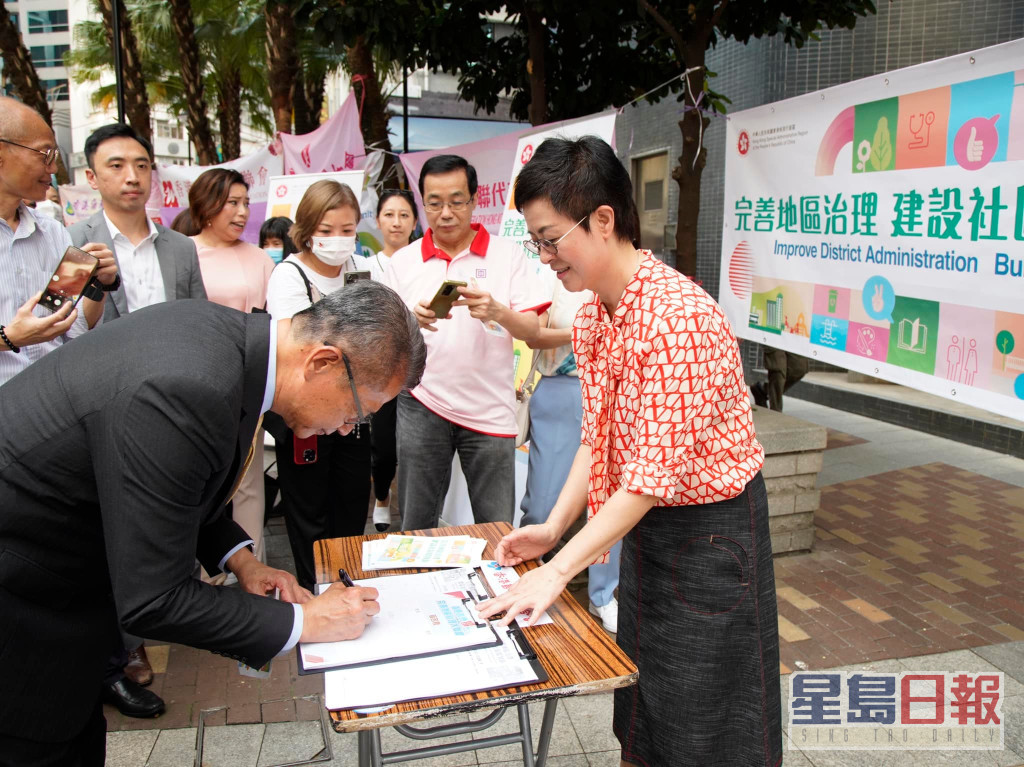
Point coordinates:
[[228, 556], [293, 639]]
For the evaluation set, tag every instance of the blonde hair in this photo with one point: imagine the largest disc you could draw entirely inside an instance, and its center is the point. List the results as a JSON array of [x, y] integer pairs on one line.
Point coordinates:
[[321, 197]]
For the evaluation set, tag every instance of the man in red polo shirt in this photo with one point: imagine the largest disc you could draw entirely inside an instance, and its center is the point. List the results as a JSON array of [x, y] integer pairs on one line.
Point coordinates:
[[465, 401]]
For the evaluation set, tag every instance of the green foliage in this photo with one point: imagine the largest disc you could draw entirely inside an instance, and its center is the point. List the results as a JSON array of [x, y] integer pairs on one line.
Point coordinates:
[[231, 37]]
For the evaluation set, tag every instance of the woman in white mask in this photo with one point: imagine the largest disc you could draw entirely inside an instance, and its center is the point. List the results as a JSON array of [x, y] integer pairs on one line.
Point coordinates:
[[324, 480]]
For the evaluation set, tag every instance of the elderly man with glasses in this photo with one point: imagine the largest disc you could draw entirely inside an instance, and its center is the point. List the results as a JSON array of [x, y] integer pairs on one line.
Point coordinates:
[[31, 246], [465, 402], [115, 477]]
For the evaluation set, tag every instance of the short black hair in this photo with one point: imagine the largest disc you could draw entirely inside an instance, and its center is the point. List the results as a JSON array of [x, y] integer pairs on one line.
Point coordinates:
[[114, 130], [578, 177], [278, 227], [445, 163]]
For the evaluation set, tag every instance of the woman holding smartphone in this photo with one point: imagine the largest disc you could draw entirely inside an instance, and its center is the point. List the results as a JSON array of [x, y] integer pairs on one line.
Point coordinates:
[[668, 462], [325, 480]]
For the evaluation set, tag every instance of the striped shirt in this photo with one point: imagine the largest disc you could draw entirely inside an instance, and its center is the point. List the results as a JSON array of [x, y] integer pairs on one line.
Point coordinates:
[[28, 258]]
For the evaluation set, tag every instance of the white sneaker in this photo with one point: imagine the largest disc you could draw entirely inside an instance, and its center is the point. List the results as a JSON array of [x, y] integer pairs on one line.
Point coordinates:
[[382, 517], [609, 615]]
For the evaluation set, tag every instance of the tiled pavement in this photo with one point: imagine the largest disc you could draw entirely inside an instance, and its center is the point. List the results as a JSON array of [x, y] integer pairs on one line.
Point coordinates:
[[920, 551]]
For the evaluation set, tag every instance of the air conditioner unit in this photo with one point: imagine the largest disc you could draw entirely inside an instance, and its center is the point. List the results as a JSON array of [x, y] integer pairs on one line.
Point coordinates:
[[173, 148]]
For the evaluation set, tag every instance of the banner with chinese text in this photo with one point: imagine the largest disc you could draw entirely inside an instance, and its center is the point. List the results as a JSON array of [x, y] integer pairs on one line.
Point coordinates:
[[879, 226]]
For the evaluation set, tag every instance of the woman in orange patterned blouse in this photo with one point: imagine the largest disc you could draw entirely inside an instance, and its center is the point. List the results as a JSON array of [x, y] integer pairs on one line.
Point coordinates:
[[668, 462]]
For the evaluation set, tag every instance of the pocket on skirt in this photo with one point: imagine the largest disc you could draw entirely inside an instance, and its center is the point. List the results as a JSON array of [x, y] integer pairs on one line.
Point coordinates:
[[711, 574]]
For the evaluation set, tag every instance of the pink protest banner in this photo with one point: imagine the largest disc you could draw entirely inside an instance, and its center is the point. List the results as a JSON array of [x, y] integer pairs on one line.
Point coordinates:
[[336, 145], [492, 158]]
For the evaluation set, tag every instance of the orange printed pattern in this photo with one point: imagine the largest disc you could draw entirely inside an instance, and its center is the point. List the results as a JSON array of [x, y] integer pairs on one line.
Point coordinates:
[[665, 408]]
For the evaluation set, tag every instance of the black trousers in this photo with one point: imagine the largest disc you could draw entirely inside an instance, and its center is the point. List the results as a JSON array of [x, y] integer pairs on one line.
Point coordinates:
[[87, 749], [326, 499], [384, 448]]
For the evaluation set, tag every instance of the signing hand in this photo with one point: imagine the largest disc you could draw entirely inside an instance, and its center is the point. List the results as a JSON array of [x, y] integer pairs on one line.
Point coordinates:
[[27, 330], [482, 305], [425, 316], [262, 580], [107, 271], [525, 543], [535, 591], [338, 613]]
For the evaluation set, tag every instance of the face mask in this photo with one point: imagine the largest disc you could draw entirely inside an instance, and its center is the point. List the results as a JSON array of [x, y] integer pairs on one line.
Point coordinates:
[[276, 254], [334, 251], [49, 208]]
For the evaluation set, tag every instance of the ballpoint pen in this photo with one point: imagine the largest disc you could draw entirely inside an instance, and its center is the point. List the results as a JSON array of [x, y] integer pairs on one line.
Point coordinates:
[[344, 576]]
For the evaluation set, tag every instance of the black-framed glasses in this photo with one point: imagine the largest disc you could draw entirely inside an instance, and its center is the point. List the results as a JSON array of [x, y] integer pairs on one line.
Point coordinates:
[[436, 206], [49, 155], [550, 246], [355, 397]]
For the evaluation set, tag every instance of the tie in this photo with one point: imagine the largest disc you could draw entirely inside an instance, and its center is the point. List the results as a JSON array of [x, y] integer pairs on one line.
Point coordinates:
[[248, 461]]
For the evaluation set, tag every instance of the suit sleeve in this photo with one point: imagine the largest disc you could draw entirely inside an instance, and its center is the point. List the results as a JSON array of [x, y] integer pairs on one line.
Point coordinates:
[[175, 443], [196, 288]]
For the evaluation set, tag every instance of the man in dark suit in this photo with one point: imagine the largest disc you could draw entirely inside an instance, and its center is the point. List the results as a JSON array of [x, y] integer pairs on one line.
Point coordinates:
[[156, 263], [159, 265], [118, 454]]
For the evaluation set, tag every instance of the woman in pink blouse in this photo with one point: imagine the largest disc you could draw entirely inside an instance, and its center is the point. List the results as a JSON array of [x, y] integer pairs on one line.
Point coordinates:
[[668, 462], [235, 273]]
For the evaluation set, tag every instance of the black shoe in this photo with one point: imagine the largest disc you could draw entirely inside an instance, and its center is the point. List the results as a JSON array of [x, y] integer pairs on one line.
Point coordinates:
[[132, 699], [760, 393]]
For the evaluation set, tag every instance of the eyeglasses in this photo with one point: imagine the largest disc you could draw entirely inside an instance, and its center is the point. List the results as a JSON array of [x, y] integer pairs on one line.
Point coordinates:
[[435, 206], [49, 155], [355, 397], [550, 246]]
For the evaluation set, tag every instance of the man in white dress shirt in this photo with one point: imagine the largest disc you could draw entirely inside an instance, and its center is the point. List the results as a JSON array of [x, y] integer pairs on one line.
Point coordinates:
[[156, 265]]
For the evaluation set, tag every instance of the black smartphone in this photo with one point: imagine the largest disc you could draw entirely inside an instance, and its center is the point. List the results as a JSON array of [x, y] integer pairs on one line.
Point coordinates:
[[351, 277], [69, 279], [446, 295]]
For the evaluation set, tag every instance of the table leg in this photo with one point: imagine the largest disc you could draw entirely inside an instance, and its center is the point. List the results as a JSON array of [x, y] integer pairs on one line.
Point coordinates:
[[524, 728], [376, 757], [363, 737], [546, 728]]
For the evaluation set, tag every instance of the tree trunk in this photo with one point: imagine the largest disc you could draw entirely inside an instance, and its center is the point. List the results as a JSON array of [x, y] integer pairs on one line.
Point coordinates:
[[229, 113], [536, 31], [192, 77], [282, 61], [374, 116], [21, 72], [309, 99], [691, 162], [136, 100]]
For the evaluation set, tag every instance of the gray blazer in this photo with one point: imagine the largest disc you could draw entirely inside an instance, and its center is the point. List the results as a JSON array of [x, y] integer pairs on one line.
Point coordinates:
[[176, 253]]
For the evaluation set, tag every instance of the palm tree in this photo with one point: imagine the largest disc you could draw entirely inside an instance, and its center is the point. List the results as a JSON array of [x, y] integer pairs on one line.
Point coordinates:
[[135, 97], [192, 77]]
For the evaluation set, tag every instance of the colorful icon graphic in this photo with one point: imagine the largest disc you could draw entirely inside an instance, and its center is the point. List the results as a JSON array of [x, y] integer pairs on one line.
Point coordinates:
[[878, 298], [976, 143]]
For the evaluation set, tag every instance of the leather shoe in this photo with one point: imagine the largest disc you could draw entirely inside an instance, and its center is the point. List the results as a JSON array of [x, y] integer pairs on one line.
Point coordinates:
[[131, 699], [137, 668]]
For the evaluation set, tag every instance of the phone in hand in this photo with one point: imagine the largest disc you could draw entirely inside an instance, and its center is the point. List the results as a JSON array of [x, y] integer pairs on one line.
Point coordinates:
[[446, 295], [304, 450], [69, 279], [351, 277]]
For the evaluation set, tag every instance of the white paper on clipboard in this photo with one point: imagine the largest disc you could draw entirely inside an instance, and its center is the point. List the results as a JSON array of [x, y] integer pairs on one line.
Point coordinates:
[[488, 669]]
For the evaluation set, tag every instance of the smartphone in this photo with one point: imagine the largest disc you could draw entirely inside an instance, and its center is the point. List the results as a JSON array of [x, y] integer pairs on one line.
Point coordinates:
[[304, 450], [73, 273], [351, 277], [446, 295]]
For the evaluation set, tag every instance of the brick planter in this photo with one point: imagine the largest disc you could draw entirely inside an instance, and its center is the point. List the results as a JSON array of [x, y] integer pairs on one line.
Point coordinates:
[[793, 452]]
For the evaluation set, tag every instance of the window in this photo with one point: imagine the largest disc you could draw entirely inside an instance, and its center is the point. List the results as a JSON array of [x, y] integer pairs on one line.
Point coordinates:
[[167, 129], [55, 90], [47, 21], [48, 55], [171, 160]]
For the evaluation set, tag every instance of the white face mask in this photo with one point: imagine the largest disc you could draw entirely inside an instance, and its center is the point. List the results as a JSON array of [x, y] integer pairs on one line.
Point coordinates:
[[49, 208], [334, 251]]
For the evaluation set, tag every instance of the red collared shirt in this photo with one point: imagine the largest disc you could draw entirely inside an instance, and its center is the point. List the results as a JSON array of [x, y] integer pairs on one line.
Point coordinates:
[[468, 378]]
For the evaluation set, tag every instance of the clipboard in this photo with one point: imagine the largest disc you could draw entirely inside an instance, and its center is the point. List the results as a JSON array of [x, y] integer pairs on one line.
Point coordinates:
[[410, 625], [513, 664]]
